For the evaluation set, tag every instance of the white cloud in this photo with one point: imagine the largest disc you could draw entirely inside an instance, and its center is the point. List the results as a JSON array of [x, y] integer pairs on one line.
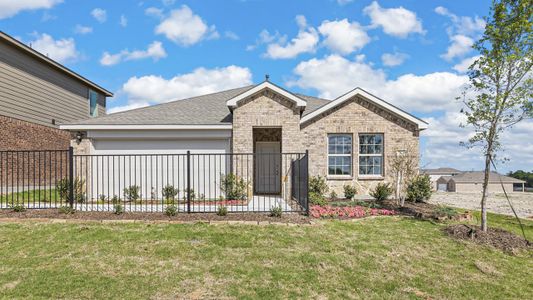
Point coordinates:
[[463, 66], [80, 29], [231, 35], [155, 51], [266, 37], [393, 59], [343, 37], [99, 14], [185, 28], [462, 33], [62, 50], [9, 8], [398, 22], [153, 89], [461, 45], [123, 21], [335, 75], [154, 12], [305, 42], [135, 105]]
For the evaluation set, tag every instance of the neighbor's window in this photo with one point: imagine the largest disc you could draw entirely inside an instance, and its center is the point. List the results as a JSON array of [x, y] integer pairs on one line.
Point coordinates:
[[93, 101], [339, 154], [371, 154]]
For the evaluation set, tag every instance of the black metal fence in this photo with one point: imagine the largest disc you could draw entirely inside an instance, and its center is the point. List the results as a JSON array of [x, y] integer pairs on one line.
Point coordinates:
[[191, 182]]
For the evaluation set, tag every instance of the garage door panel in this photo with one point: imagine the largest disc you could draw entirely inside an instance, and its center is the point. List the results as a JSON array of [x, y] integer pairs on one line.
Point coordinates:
[[159, 146]]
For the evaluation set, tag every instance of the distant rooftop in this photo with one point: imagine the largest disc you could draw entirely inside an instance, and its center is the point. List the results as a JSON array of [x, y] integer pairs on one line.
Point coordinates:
[[440, 171], [478, 176]]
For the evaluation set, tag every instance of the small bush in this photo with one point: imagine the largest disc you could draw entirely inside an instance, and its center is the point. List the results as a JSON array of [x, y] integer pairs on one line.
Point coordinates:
[[66, 210], [115, 199], [18, 208], [169, 192], [317, 185], [333, 195], [102, 198], [445, 211], [132, 193], [63, 185], [171, 210], [193, 195], [382, 191], [234, 188], [349, 191], [419, 189], [222, 210], [276, 211], [118, 209], [316, 199]]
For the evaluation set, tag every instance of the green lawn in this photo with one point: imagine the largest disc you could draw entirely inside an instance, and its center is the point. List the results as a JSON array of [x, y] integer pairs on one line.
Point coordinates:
[[31, 196], [384, 257]]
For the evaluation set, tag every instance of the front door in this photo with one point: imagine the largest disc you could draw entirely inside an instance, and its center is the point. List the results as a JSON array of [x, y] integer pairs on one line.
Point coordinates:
[[268, 168]]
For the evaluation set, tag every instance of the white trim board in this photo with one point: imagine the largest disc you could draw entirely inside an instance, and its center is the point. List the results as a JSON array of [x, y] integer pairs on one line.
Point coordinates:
[[266, 84], [144, 127], [379, 102]]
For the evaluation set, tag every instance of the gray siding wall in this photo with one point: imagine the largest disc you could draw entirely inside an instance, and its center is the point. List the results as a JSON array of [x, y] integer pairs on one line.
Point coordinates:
[[33, 91]]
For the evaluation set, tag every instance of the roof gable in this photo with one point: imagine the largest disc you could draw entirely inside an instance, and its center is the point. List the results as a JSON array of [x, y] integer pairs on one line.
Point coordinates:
[[233, 102], [373, 99]]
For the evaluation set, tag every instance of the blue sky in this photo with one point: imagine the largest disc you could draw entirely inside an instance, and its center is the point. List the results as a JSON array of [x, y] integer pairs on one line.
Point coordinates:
[[411, 53]]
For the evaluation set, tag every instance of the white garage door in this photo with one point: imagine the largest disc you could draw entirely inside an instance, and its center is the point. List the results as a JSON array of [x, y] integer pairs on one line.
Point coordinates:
[[153, 164], [442, 187]]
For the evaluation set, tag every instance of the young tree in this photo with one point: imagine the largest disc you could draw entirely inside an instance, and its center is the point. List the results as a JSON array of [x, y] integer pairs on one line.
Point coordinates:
[[403, 164], [501, 82]]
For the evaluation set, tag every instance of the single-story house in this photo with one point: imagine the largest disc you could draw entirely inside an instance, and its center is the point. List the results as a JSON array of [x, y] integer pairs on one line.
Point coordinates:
[[472, 182], [442, 183], [349, 139], [435, 174]]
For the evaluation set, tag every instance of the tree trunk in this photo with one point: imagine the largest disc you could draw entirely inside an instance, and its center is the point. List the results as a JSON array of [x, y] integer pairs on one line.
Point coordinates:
[[485, 189]]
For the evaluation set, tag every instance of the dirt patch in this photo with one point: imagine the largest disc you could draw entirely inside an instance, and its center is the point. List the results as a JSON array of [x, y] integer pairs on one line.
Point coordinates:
[[155, 216], [495, 237]]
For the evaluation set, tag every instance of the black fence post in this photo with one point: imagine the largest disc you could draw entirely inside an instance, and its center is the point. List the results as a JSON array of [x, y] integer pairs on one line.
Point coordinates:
[[188, 181], [307, 182], [71, 176]]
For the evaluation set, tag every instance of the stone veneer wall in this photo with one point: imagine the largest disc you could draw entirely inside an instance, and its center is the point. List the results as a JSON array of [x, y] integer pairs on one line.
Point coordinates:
[[354, 117]]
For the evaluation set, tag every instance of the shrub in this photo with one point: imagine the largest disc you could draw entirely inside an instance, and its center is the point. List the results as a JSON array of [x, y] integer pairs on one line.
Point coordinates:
[[234, 188], [445, 211], [382, 191], [171, 210], [102, 198], [276, 211], [333, 195], [349, 191], [419, 188], [193, 195], [222, 210], [18, 208], [132, 193], [115, 199], [316, 199], [317, 185], [118, 209], [63, 185], [66, 210], [169, 192]]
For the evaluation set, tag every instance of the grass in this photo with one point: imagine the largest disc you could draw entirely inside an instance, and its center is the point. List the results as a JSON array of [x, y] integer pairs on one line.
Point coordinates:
[[384, 257], [44, 195]]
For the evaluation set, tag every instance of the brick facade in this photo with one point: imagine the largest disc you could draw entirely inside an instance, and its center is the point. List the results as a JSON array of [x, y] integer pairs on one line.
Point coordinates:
[[267, 109], [21, 135]]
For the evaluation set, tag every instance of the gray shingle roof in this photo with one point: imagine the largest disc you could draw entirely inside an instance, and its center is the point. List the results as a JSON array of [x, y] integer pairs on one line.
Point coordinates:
[[440, 171], [477, 176], [208, 109]]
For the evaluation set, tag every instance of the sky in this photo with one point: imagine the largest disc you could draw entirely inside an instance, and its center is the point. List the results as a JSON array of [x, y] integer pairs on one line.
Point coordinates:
[[413, 54]]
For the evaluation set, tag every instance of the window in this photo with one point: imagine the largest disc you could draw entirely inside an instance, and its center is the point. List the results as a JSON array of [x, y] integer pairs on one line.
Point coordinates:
[[339, 154], [93, 101], [371, 154]]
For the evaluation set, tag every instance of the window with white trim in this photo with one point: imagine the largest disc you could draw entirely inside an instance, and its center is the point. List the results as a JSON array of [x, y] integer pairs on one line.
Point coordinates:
[[371, 154], [93, 104], [339, 154]]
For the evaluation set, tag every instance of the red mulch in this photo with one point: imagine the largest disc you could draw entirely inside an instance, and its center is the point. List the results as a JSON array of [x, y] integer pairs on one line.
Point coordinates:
[[495, 237]]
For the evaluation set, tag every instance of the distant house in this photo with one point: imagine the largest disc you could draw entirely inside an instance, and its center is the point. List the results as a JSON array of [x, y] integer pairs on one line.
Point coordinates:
[[37, 94], [472, 182], [435, 174]]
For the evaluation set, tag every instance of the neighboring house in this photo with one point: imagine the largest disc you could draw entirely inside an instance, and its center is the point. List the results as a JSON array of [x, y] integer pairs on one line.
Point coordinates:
[[472, 182], [435, 174], [37, 94], [349, 139]]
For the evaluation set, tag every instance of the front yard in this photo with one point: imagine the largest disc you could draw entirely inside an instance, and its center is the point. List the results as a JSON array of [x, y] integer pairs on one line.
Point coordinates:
[[378, 257]]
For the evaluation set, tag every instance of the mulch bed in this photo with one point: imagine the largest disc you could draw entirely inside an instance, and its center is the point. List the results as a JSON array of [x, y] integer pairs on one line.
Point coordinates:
[[155, 216], [495, 237]]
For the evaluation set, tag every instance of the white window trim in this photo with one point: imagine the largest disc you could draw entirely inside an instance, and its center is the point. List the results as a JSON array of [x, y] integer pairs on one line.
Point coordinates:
[[339, 176], [382, 155]]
